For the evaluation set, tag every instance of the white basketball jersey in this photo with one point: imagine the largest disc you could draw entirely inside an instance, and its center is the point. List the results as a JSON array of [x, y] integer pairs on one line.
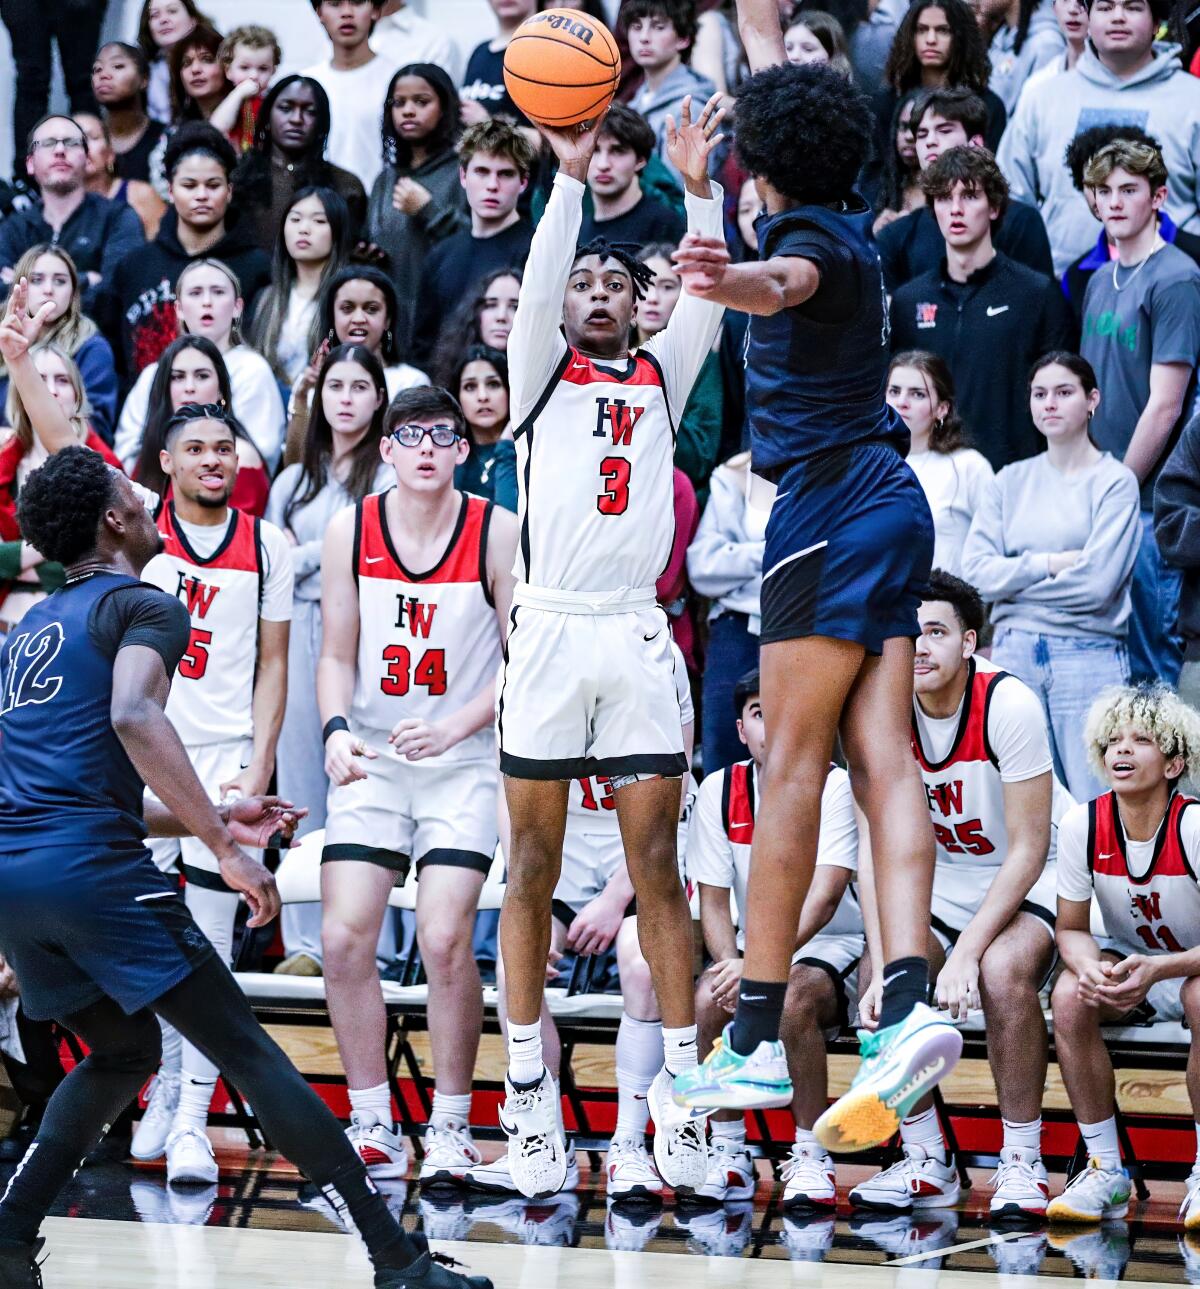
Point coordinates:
[[738, 789], [427, 642], [1151, 903], [596, 483], [212, 695]]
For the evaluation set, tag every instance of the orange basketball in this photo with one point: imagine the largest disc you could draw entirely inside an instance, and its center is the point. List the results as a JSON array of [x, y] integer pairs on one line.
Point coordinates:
[[562, 67]]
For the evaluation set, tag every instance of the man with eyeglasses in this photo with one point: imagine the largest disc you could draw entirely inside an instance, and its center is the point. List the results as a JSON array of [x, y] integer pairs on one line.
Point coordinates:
[[1121, 76], [95, 232], [416, 584], [233, 573]]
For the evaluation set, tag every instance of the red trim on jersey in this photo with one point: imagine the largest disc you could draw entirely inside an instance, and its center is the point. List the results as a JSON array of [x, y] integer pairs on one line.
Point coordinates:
[[582, 370], [1107, 853], [737, 805], [463, 560], [240, 548], [971, 740]]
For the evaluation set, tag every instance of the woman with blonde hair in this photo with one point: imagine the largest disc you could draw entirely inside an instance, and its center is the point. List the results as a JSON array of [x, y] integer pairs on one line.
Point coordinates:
[[53, 279]]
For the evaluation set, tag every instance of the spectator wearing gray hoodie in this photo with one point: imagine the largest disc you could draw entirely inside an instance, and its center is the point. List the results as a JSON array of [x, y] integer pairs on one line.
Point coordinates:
[[1123, 75], [660, 35], [1026, 40], [725, 564]]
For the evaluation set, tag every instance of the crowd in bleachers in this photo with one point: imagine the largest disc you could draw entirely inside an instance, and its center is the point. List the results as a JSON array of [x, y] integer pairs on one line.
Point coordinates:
[[198, 229]]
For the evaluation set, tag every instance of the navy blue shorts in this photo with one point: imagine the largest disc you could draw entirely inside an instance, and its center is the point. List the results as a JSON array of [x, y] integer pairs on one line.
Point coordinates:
[[849, 549], [78, 923]]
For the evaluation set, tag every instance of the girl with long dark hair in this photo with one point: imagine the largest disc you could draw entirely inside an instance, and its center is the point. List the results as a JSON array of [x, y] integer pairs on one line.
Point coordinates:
[[313, 243], [936, 45], [417, 198], [1052, 548], [289, 154], [480, 383], [339, 464], [120, 81], [163, 24], [198, 81], [485, 318], [953, 475]]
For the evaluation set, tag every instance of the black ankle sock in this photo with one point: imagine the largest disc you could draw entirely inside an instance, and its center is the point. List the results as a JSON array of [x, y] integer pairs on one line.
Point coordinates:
[[353, 1194], [759, 1010], [905, 984]]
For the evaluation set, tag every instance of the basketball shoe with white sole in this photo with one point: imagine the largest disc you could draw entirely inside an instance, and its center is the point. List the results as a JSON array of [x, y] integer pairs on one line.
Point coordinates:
[[629, 1172], [1095, 1194], [726, 1080], [190, 1160], [680, 1148], [1020, 1188], [809, 1182], [449, 1154], [154, 1127], [379, 1146], [730, 1174], [496, 1178], [537, 1153], [916, 1181]]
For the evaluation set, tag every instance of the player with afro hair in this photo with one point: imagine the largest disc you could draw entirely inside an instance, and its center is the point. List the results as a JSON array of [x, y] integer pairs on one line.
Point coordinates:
[[805, 131], [63, 502], [849, 545]]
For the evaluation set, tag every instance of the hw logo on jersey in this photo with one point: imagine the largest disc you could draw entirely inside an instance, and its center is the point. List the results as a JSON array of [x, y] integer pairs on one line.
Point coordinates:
[[197, 595], [945, 798], [1145, 906], [414, 616], [617, 418], [926, 316]]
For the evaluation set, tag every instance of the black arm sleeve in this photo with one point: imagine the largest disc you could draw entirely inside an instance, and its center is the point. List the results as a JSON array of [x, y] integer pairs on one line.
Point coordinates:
[[141, 615]]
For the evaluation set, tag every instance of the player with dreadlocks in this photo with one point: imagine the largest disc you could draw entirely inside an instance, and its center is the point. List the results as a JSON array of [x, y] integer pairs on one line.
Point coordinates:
[[588, 683]]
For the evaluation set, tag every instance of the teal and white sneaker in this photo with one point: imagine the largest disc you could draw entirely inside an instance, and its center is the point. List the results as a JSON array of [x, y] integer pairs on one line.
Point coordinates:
[[726, 1081], [899, 1065]]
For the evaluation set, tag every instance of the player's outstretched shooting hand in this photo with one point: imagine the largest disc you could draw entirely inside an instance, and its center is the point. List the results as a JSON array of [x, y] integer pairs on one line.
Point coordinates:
[[701, 262], [262, 821], [573, 145], [690, 143], [18, 331], [254, 881]]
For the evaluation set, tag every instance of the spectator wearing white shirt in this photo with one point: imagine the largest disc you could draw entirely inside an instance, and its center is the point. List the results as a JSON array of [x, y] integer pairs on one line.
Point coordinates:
[[403, 36], [953, 476], [356, 79]]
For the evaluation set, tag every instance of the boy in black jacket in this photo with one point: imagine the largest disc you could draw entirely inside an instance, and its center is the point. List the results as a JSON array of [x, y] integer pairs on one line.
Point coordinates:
[[986, 315], [139, 305]]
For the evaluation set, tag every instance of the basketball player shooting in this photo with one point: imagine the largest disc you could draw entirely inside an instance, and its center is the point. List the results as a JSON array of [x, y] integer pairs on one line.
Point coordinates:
[[848, 550], [588, 685], [99, 938]]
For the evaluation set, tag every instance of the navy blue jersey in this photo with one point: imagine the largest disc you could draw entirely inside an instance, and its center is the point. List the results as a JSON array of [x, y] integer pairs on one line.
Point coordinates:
[[63, 772], [816, 373]]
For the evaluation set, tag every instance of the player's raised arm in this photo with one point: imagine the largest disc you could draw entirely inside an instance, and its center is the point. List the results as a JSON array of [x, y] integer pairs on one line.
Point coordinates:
[[536, 345], [683, 345], [761, 33]]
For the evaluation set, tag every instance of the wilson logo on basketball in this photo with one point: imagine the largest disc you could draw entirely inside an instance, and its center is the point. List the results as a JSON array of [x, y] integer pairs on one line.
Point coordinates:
[[617, 418], [562, 22]]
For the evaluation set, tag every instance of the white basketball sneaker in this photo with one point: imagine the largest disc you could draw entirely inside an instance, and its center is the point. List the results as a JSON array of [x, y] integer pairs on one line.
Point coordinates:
[[629, 1172], [917, 1181], [496, 1178], [730, 1175], [154, 1127], [190, 1160], [680, 1148], [449, 1154], [381, 1149], [809, 1180], [537, 1153]]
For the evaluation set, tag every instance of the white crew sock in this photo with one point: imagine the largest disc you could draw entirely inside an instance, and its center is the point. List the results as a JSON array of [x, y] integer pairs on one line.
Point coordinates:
[[925, 1130], [195, 1097], [375, 1101], [450, 1108], [524, 1052], [1102, 1142], [806, 1137], [639, 1059], [172, 1052], [679, 1049], [733, 1130], [1024, 1136]]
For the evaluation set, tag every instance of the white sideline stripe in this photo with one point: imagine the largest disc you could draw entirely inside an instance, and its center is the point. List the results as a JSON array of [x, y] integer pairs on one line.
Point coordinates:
[[808, 550], [157, 895], [998, 1238]]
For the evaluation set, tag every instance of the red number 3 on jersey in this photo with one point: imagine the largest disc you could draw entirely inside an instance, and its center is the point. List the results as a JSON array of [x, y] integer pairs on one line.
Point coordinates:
[[614, 498]]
